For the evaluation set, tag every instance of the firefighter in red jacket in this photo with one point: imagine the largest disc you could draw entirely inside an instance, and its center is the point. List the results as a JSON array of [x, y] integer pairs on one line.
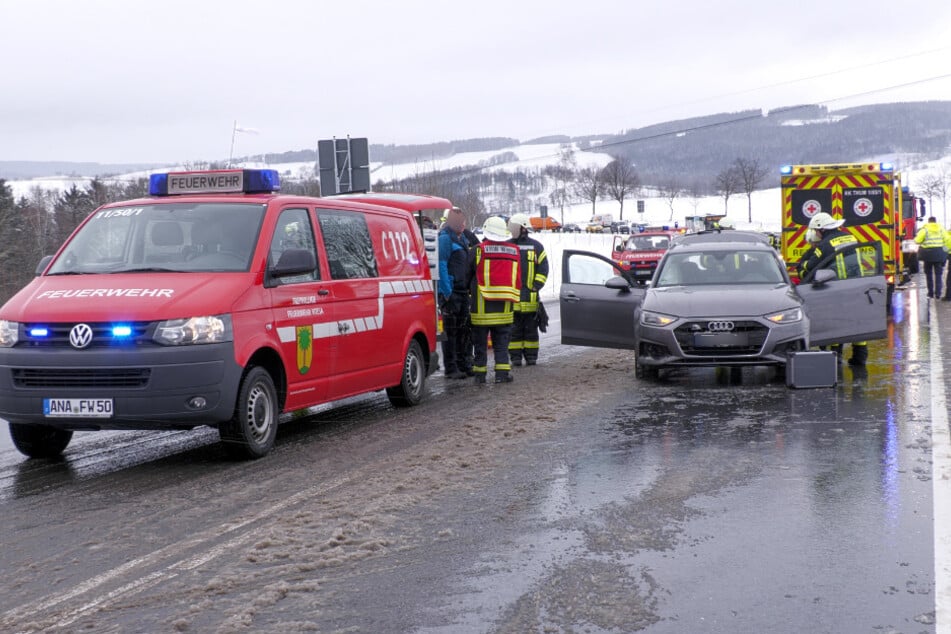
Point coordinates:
[[534, 269], [495, 289]]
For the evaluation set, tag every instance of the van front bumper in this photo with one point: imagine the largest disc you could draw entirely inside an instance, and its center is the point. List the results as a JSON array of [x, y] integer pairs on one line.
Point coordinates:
[[150, 387]]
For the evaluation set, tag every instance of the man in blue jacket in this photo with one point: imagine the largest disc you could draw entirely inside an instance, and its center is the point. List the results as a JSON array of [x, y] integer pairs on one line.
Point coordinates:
[[454, 295]]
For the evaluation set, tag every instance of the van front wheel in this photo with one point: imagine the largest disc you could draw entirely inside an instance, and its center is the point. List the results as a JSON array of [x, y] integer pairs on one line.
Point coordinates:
[[39, 441], [413, 380], [251, 431]]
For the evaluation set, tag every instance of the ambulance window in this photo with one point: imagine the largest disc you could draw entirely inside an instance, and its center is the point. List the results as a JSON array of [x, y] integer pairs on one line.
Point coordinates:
[[347, 241], [294, 231]]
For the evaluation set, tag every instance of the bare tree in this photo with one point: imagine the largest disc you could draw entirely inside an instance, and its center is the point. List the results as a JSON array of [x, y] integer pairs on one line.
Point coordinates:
[[751, 174], [620, 181], [695, 195], [564, 175], [728, 182], [929, 188], [588, 186], [670, 190]]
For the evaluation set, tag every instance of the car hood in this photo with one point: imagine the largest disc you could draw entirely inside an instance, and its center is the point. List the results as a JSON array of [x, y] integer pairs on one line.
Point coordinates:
[[126, 296], [721, 301]]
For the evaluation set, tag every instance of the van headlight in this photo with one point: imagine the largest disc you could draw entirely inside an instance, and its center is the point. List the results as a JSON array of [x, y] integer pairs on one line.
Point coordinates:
[[9, 333], [786, 316], [649, 318], [194, 330]]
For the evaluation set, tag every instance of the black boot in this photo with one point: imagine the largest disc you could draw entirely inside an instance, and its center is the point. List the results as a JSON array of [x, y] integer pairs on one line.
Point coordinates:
[[859, 356], [503, 377]]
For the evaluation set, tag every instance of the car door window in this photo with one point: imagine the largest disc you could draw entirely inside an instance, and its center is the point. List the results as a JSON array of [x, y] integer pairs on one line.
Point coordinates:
[[347, 241], [853, 261], [590, 270], [293, 232]]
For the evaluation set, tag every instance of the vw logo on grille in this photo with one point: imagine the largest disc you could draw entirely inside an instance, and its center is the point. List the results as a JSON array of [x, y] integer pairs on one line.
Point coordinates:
[[720, 326], [80, 336]]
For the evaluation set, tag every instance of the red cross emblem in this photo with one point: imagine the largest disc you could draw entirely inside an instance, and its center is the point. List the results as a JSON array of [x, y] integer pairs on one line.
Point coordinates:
[[810, 208], [862, 207]]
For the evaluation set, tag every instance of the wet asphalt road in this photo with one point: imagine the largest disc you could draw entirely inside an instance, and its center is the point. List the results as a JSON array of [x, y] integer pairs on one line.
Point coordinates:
[[577, 499]]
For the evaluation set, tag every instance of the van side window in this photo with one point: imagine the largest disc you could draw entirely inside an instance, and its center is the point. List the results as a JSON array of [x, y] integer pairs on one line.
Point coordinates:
[[293, 231], [348, 244]]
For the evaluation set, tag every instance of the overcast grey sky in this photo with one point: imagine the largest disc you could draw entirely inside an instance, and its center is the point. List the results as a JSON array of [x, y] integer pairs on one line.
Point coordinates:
[[136, 81]]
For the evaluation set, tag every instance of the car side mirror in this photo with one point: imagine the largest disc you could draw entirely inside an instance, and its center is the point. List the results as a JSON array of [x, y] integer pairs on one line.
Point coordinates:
[[618, 283], [823, 276], [42, 265], [294, 262]]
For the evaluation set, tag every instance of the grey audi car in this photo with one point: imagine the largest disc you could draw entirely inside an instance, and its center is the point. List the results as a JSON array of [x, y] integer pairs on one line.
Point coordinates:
[[722, 299]]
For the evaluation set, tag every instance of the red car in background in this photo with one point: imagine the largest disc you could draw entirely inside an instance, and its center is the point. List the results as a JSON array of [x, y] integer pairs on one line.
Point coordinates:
[[639, 253]]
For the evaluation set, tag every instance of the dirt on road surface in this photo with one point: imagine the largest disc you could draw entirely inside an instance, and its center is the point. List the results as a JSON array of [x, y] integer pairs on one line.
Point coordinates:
[[193, 542]]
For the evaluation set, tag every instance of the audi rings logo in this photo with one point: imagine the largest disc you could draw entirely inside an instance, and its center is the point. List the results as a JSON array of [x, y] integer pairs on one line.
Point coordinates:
[[80, 336], [720, 326]]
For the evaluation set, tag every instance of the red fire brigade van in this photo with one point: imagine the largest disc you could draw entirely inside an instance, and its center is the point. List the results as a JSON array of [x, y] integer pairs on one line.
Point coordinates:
[[216, 301]]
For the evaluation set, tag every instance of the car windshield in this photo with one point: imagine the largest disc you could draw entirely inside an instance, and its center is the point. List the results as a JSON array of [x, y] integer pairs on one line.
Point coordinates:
[[178, 237], [720, 267], [647, 243]]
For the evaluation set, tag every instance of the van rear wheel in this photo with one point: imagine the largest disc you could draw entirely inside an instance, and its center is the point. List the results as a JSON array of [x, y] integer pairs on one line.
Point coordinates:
[[39, 441], [251, 431], [413, 380]]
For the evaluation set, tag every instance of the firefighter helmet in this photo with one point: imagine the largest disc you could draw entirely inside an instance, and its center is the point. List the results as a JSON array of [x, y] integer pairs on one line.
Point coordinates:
[[823, 222], [494, 228], [519, 222]]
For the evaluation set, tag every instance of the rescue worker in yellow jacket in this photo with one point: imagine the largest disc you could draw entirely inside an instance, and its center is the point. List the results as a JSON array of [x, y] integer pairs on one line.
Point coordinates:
[[494, 291], [533, 263], [931, 253], [826, 236], [947, 248]]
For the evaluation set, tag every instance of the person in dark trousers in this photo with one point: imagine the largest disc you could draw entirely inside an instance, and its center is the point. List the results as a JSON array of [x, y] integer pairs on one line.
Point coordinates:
[[494, 290], [534, 270], [931, 252], [825, 234], [454, 295]]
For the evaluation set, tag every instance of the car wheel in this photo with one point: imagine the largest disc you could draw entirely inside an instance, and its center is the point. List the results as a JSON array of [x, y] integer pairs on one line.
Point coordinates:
[[412, 384], [39, 441], [646, 372], [251, 431]]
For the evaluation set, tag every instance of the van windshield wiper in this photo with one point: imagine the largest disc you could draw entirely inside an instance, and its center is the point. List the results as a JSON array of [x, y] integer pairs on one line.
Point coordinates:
[[69, 273], [147, 269]]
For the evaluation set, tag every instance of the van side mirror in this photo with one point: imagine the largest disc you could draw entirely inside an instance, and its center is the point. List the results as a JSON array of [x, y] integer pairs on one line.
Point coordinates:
[[45, 262], [294, 262], [618, 283], [823, 276]]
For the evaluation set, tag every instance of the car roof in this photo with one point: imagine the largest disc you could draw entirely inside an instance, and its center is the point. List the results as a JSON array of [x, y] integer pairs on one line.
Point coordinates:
[[726, 241], [718, 237]]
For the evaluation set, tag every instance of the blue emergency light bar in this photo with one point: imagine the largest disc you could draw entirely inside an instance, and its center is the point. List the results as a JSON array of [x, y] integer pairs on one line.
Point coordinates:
[[887, 167], [785, 169], [39, 331], [215, 182], [121, 331]]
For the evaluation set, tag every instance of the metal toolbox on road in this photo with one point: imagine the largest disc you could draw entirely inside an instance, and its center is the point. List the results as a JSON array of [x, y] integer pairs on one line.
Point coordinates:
[[811, 369]]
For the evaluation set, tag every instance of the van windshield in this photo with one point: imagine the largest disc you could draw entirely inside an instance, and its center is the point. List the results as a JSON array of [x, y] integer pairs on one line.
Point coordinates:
[[177, 237]]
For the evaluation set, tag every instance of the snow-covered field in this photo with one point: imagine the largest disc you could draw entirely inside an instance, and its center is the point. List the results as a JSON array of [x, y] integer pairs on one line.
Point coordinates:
[[766, 203]]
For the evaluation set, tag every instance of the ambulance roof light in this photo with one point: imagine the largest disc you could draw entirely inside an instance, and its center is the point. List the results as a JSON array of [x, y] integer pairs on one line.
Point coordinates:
[[238, 181], [887, 167], [785, 169]]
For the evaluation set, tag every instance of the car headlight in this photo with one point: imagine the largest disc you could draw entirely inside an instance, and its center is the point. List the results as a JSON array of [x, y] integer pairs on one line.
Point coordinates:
[[194, 330], [786, 317], [649, 318], [9, 333]]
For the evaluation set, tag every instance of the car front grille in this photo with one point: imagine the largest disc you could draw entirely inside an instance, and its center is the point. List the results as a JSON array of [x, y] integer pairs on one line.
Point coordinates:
[[751, 336], [81, 378], [57, 335]]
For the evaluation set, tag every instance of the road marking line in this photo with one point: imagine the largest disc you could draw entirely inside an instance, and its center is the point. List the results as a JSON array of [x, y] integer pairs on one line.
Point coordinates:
[[941, 484], [50, 601]]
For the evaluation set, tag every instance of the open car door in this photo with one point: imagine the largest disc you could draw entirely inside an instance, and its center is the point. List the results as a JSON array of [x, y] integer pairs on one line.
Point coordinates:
[[844, 296], [592, 313]]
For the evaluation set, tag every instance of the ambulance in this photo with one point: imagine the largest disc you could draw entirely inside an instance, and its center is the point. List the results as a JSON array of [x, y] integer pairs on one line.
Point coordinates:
[[868, 196], [216, 301]]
